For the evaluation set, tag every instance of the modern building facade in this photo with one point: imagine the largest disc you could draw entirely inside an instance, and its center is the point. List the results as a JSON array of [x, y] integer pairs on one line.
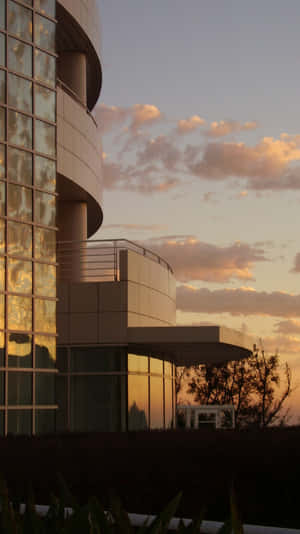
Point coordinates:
[[108, 306]]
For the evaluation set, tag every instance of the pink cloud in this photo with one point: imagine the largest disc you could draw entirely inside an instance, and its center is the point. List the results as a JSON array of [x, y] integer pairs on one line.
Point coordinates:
[[186, 126], [223, 128]]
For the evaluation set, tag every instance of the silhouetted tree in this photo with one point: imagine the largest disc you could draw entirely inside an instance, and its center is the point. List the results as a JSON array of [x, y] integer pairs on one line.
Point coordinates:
[[252, 385]]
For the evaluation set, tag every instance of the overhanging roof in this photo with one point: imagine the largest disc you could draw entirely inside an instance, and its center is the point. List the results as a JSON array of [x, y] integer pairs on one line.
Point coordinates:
[[190, 345]]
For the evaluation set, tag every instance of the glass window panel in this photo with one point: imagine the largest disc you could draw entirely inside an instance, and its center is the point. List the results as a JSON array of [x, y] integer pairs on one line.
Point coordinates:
[[138, 416], [19, 350], [45, 138], [2, 274], [62, 359], [45, 103], [28, 2], [19, 241], [44, 68], [19, 422], [19, 21], [45, 244], [19, 276], [2, 237], [19, 93], [2, 14], [2, 352], [44, 33], [168, 403], [19, 202], [2, 124], [2, 198], [19, 313], [45, 173], [45, 208], [156, 402], [2, 50], [96, 403], [19, 166], [19, 388], [19, 57], [19, 129], [97, 359], [45, 352], [2, 304], [138, 364], [2, 161], [45, 316], [45, 421], [2, 379], [168, 368], [61, 397], [47, 7], [45, 388], [156, 366], [2, 86], [45, 280]]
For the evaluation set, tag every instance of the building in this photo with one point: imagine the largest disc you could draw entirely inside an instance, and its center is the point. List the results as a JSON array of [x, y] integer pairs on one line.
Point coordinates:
[[115, 363]]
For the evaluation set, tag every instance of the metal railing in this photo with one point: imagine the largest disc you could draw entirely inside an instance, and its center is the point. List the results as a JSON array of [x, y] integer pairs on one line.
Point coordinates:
[[74, 95], [97, 260]]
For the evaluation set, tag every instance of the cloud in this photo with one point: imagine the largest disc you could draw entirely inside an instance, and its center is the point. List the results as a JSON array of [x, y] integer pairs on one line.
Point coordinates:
[[131, 178], [264, 166], [160, 149], [296, 268], [138, 115], [192, 259], [110, 116], [241, 301], [223, 128], [139, 227], [186, 126], [281, 344], [144, 114], [289, 326]]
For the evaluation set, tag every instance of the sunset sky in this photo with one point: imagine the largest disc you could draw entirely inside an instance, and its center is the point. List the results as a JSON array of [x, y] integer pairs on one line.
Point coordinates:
[[199, 115]]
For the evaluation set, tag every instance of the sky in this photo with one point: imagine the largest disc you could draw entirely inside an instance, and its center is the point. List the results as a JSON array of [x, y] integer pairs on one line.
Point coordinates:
[[199, 117]]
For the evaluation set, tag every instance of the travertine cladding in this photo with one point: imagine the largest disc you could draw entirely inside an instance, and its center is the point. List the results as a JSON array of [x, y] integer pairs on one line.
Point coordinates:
[[78, 146], [86, 13], [151, 296]]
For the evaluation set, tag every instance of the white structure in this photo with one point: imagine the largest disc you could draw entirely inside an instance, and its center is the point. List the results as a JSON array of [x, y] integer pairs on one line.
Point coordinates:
[[218, 416]]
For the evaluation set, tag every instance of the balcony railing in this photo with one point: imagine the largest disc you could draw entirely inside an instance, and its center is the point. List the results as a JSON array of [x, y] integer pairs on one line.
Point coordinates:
[[96, 261]]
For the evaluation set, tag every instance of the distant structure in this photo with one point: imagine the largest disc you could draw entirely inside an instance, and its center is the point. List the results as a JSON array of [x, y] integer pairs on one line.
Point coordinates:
[[216, 416], [103, 303]]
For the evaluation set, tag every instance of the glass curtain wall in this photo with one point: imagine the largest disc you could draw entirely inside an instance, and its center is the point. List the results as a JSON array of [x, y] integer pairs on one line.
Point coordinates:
[[106, 389], [27, 216]]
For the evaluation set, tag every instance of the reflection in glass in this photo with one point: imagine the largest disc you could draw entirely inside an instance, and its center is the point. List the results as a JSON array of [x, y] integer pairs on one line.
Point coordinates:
[[19, 350], [2, 161], [19, 93], [138, 418], [138, 364], [19, 422], [2, 198], [47, 7], [19, 57], [19, 239], [19, 202], [45, 173], [45, 320], [156, 402], [19, 129], [45, 388], [19, 276], [2, 304], [45, 280], [19, 388], [44, 209], [168, 369], [2, 379], [45, 138], [62, 359], [2, 124], [45, 103], [2, 15], [2, 274], [96, 359], [44, 33], [96, 403], [45, 421], [61, 390], [44, 68], [2, 86], [2, 50], [19, 166], [168, 403], [45, 352], [2, 351], [2, 238], [19, 313], [45, 244], [19, 21], [156, 366]]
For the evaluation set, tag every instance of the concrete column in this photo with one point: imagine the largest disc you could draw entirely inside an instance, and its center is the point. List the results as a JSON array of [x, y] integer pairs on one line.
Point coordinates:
[[71, 69], [72, 226]]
